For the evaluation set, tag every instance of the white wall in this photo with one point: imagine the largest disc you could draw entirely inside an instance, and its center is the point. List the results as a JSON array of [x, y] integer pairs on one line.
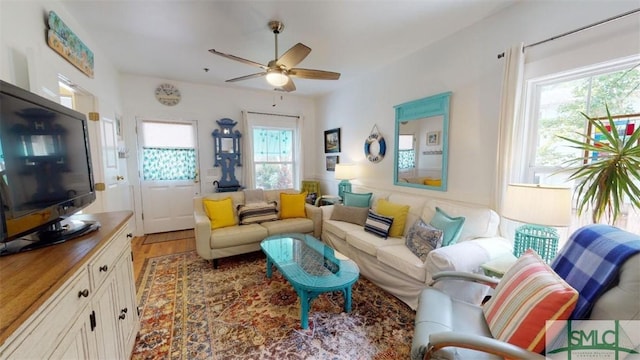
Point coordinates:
[[466, 64], [206, 104], [27, 61]]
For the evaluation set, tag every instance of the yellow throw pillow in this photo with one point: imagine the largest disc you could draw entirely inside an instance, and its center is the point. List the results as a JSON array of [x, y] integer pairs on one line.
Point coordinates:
[[433, 182], [292, 205], [220, 212], [399, 214]]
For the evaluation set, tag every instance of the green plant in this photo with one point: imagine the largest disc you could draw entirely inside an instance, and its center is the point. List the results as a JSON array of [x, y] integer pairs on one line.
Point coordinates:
[[602, 183]]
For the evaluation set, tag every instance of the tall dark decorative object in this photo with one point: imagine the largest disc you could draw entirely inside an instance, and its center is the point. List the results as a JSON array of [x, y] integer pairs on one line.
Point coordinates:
[[226, 147]]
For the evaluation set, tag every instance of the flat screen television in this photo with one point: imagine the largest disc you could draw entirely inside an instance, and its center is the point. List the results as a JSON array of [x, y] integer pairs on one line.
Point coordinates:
[[45, 171]]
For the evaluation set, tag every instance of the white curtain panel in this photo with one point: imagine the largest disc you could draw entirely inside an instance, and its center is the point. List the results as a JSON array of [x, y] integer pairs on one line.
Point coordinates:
[[248, 176], [509, 112]]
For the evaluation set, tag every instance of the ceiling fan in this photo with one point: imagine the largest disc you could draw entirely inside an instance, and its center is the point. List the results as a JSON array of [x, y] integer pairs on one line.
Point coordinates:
[[279, 71]]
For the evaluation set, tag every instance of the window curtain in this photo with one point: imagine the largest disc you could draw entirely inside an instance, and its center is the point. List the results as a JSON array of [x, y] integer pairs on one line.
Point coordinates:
[[248, 171], [509, 112]]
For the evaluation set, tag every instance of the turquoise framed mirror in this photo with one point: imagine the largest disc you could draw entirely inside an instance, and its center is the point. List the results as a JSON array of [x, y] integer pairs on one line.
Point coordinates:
[[422, 142]]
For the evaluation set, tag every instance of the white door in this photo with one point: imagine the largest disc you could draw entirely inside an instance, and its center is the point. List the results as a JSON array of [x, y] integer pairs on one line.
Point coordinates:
[[109, 171], [167, 158]]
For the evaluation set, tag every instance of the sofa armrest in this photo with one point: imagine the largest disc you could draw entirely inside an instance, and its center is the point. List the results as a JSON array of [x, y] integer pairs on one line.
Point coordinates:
[[315, 214], [458, 275], [466, 256], [202, 229], [441, 340]]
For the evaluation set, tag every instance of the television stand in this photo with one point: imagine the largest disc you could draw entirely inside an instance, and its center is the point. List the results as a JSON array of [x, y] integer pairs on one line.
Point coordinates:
[[56, 233]]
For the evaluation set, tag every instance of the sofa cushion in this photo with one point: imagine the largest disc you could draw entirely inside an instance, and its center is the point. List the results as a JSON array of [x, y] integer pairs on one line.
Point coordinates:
[[357, 199], [378, 224], [396, 211], [402, 259], [253, 196], [529, 294], [370, 243], [350, 214], [220, 212], [451, 226], [257, 212], [339, 228], [237, 235], [292, 205], [479, 221], [292, 225], [422, 238]]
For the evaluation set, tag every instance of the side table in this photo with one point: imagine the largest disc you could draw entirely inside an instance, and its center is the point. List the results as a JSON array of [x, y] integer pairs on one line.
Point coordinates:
[[498, 266], [328, 200]]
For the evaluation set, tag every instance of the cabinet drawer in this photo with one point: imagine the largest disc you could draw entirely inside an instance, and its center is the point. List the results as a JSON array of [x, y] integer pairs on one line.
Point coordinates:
[[104, 262], [52, 320]]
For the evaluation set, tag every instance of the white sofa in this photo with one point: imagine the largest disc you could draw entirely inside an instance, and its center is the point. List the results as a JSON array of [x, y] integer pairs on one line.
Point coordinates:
[[239, 239], [392, 266]]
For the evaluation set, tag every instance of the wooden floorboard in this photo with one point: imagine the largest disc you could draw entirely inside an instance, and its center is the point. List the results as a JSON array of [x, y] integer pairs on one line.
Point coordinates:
[[141, 251]]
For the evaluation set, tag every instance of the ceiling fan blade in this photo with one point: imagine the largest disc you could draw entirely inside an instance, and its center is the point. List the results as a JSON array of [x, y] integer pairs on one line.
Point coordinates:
[[233, 57], [314, 74], [294, 55], [289, 87], [247, 77]]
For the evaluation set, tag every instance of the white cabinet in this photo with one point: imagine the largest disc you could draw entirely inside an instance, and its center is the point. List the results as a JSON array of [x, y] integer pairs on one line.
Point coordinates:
[[92, 316], [79, 342]]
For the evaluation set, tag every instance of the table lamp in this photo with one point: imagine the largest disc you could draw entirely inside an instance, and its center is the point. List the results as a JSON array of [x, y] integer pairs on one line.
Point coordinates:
[[345, 172], [540, 206]]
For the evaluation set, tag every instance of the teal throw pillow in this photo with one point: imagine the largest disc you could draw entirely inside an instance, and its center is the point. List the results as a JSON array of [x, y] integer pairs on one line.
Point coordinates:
[[450, 226], [355, 199]]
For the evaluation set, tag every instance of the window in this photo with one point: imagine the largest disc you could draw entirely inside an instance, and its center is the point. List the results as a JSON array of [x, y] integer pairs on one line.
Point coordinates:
[[406, 152], [168, 151], [555, 105], [553, 108], [273, 157], [273, 149]]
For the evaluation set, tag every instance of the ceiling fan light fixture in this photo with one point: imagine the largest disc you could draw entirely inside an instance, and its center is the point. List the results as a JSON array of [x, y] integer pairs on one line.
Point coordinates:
[[277, 78]]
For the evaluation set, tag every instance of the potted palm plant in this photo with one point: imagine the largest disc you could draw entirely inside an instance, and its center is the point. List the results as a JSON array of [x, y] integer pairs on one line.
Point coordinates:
[[603, 181]]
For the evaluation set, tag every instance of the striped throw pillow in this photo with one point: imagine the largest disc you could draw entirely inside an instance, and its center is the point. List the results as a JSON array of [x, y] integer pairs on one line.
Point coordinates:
[[256, 213], [529, 294], [378, 224]]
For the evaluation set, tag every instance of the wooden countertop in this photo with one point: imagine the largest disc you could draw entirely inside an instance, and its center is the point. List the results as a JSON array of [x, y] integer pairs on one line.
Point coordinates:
[[28, 279]]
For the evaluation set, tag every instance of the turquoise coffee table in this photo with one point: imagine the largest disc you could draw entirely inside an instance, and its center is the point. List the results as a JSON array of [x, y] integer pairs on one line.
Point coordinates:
[[311, 267]]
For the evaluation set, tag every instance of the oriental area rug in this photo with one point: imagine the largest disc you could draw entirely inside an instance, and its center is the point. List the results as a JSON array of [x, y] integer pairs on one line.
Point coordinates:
[[191, 311]]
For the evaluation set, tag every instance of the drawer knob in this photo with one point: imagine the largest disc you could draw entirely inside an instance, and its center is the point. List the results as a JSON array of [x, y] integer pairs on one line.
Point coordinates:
[[122, 316], [83, 293], [104, 268], [129, 235]]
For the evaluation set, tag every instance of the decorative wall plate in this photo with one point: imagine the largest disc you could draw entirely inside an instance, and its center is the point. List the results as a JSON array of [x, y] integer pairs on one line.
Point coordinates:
[[375, 146]]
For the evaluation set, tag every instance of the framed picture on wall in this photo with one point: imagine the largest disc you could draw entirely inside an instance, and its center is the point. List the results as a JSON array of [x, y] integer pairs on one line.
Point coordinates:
[[332, 161], [433, 138], [332, 141]]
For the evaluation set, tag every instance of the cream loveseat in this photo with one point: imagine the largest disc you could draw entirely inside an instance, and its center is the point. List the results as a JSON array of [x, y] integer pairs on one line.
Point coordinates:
[[213, 244], [392, 266]]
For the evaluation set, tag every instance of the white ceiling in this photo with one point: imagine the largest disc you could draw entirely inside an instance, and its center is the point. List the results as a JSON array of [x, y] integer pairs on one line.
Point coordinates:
[[170, 39]]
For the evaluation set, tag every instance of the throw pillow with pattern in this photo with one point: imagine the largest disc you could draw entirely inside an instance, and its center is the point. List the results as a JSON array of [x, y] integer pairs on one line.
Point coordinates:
[[422, 238]]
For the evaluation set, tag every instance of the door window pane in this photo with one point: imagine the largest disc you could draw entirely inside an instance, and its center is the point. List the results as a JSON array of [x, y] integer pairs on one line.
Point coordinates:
[[168, 151]]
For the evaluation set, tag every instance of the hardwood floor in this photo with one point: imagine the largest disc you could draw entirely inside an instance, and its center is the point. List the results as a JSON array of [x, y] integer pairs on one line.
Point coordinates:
[[141, 252]]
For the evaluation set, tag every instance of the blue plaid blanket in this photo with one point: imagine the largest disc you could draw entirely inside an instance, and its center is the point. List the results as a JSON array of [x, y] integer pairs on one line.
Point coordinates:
[[590, 259]]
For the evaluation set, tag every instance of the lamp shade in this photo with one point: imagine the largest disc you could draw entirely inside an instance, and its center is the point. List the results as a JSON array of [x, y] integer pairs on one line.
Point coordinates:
[[345, 171], [538, 204]]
